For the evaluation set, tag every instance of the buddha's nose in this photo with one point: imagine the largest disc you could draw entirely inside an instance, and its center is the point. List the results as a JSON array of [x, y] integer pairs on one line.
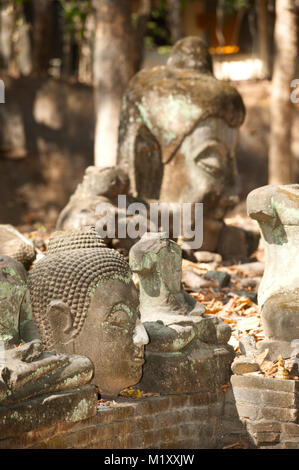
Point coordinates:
[[140, 336]]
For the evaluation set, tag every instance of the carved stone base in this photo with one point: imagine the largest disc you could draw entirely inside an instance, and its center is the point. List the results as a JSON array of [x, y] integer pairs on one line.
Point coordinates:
[[71, 406], [181, 372]]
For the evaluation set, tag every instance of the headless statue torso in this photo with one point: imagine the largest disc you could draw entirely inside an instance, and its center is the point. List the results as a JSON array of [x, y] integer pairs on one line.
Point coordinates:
[[158, 262], [185, 345]]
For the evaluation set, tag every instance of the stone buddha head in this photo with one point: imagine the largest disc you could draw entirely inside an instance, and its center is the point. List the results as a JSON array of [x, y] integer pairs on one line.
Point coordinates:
[[84, 300], [178, 134]]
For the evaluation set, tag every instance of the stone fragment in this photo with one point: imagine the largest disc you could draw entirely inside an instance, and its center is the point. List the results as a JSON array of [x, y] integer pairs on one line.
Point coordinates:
[[276, 209], [44, 411], [208, 257], [193, 280], [252, 282], [245, 293], [247, 345], [222, 277], [188, 350], [256, 268], [243, 365]]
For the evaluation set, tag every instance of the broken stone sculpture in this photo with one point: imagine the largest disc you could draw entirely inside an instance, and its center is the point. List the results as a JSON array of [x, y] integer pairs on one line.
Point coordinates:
[[99, 185], [15, 245], [188, 350], [85, 302], [276, 209], [27, 371], [177, 141], [178, 136]]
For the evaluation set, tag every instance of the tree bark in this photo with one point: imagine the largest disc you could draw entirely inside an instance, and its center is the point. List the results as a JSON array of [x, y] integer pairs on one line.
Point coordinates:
[[113, 66], [42, 36], [7, 20], [285, 37], [143, 15], [262, 15], [174, 19]]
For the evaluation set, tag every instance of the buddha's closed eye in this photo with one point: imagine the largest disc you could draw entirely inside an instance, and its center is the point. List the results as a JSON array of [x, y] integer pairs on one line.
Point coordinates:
[[212, 158], [120, 316]]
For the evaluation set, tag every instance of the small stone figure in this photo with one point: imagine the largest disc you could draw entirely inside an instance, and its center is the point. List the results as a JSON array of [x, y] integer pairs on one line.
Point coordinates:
[[15, 245], [188, 350], [276, 209], [26, 371], [178, 135], [84, 302], [282, 372]]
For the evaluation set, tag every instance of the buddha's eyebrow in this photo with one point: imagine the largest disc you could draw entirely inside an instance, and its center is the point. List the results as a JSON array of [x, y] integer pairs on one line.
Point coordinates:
[[123, 308], [212, 143]]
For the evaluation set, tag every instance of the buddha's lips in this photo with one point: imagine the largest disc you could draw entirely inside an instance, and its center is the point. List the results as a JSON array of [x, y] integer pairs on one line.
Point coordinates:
[[138, 361]]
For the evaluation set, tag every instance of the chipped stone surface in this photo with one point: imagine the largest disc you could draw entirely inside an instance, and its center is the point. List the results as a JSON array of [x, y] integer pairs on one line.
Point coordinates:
[[188, 350], [179, 128], [61, 407], [276, 209]]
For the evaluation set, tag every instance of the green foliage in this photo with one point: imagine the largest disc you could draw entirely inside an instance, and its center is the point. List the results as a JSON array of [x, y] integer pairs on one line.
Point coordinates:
[[230, 6], [157, 31], [75, 13]]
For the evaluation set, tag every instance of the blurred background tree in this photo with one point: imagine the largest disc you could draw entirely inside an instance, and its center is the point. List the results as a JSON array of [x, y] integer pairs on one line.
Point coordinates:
[[98, 45]]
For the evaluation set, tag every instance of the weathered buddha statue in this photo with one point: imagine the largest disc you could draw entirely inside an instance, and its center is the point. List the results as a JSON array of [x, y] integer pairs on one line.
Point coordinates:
[[188, 350], [26, 370], [84, 302], [276, 209], [178, 135], [99, 185]]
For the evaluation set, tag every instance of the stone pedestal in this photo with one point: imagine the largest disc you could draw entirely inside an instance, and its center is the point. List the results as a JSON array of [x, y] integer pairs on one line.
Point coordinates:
[[276, 209], [204, 369], [44, 411], [268, 407]]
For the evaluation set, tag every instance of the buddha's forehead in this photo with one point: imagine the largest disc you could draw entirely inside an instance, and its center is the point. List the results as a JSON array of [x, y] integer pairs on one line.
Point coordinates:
[[208, 132], [114, 292]]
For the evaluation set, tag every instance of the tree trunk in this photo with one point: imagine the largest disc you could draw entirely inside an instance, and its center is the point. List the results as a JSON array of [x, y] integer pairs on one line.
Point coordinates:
[[143, 15], [6, 31], [262, 15], [42, 36], [113, 66], [285, 37], [174, 19], [85, 51]]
